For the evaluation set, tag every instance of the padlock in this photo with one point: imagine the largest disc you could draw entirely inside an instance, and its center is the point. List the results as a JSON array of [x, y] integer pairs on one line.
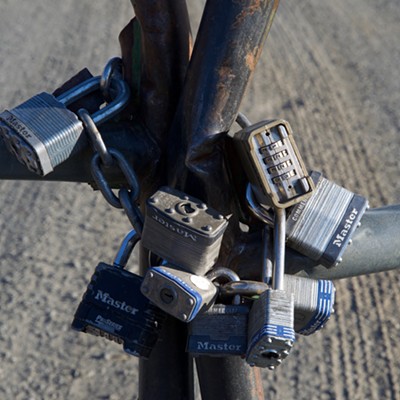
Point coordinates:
[[313, 299], [42, 132], [270, 334], [313, 302], [179, 293], [221, 330], [271, 320], [183, 230], [113, 306], [322, 226], [273, 163]]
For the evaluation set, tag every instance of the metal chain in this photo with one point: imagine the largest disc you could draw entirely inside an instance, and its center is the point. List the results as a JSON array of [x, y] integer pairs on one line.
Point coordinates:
[[104, 157], [113, 67]]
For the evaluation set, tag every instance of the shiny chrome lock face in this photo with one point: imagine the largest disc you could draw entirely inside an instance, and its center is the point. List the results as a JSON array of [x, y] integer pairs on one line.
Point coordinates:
[[220, 331], [322, 226], [42, 132], [113, 307], [271, 334], [179, 293], [273, 163], [183, 230], [313, 302]]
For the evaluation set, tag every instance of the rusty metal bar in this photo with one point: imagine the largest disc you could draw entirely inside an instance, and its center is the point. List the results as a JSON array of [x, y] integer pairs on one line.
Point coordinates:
[[226, 51]]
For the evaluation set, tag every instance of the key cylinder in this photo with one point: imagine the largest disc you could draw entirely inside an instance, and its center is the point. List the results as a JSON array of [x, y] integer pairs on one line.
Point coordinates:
[[179, 293]]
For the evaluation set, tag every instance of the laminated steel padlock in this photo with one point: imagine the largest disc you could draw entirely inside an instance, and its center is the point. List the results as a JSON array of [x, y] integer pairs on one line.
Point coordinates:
[[113, 307], [271, 320], [273, 163], [181, 294], [321, 227], [183, 230], [313, 302], [42, 132], [270, 333], [220, 331]]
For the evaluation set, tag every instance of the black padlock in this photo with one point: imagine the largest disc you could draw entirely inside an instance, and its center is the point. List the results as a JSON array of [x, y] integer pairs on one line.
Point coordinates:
[[113, 307]]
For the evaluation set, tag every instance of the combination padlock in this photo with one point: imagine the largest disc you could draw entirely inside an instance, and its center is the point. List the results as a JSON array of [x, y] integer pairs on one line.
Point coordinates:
[[221, 330], [113, 307], [313, 302], [183, 230], [321, 227], [42, 132], [273, 163], [181, 294]]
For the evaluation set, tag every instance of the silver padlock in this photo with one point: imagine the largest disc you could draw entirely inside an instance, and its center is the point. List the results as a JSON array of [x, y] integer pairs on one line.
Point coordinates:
[[179, 293], [183, 230], [314, 301], [221, 330], [271, 333], [271, 320], [321, 227], [42, 132]]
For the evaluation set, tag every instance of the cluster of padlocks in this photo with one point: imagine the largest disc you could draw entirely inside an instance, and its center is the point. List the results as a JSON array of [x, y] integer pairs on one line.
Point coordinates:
[[183, 235]]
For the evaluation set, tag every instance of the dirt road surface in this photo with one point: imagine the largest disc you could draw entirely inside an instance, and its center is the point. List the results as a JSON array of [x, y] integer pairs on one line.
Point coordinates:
[[330, 68]]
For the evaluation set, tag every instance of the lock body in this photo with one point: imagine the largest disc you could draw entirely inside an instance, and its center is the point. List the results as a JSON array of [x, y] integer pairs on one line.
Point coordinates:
[[183, 230], [322, 226], [113, 307], [41, 132], [179, 293], [273, 163], [271, 333], [220, 331], [313, 302]]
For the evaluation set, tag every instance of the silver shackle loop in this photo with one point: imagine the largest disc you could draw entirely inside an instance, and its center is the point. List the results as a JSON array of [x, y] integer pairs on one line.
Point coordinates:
[[227, 274], [243, 288]]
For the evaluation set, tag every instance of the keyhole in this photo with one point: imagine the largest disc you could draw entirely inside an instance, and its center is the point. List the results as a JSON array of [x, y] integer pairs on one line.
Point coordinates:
[[270, 355], [167, 295], [187, 208]]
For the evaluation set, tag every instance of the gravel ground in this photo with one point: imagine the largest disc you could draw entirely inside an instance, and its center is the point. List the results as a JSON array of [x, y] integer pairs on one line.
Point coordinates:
[[330, 68]]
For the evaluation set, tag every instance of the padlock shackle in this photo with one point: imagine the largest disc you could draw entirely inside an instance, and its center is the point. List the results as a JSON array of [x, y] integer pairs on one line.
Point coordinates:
[[243, 288], [116, 105], [79, 91], [223, 273], [279, 249], [90, 86], [125, 250]]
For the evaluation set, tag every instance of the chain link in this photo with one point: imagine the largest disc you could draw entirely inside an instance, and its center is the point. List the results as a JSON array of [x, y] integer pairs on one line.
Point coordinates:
[[114, 66], [104, 157], [95, 138]]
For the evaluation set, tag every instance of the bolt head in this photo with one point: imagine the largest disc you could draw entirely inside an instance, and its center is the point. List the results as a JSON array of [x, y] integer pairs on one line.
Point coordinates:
[[190, 302]]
